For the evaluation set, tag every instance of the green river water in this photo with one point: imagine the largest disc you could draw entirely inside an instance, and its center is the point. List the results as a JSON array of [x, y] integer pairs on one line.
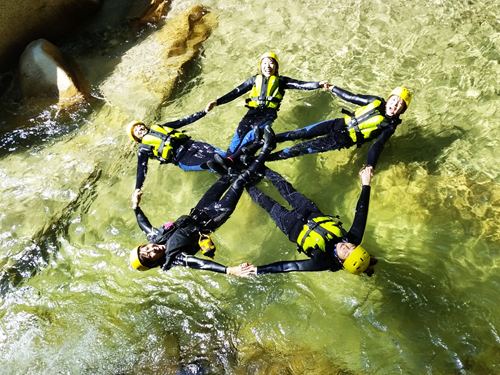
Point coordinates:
[[71, 304]]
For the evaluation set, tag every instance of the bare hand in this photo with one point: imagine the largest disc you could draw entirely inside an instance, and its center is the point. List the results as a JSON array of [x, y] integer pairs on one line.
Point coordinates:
[[366, 175], [243, 270], [136, 198], [210, 106], [324, 84]]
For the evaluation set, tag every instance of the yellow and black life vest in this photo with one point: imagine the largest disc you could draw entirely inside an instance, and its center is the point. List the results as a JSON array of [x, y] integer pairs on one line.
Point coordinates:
[[364, 121], [265, 92], [317, 232], [162, 141]]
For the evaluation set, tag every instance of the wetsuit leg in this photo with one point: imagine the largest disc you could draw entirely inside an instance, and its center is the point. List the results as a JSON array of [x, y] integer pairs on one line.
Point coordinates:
[[336, 138], [285, 219], [309, 132], [195, 155], [299, 202], [245, 132], [219, 211], [215, 192], [217, 206]]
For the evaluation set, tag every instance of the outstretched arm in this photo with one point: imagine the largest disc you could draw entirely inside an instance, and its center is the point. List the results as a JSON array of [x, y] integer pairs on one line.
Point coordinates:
[[307, 265], [377, 147], [295, 84], [186, 120], [355, 234], [142, 220], [208, 265], [353, 98], [142, 167], [231, 95]]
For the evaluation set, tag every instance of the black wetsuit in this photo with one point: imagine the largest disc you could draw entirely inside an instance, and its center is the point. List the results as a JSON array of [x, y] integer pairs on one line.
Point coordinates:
[[334, 135], [213, 209], [291, 222], [181, 239], [257, 117], [189, 155]]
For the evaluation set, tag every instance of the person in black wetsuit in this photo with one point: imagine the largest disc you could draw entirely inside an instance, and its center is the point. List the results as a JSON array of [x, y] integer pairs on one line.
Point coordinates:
[[175, 244], [321, 237], [267, 91], [377, 118], [166, 144]]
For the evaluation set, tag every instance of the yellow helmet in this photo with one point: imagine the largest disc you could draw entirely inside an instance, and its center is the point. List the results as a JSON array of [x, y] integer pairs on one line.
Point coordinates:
[[130, 130], [134, 260], [403, 93], [357, 261], [272, 55]]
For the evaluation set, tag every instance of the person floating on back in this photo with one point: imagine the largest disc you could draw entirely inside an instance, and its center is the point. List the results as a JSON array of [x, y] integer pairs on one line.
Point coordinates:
[[321, 237], [376, 119]]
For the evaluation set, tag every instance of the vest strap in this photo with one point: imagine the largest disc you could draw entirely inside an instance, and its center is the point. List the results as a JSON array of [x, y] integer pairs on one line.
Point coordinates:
[[316, 227]]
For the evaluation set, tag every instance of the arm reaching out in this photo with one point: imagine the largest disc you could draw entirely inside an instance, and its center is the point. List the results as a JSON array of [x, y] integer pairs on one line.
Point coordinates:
[[357, 230]]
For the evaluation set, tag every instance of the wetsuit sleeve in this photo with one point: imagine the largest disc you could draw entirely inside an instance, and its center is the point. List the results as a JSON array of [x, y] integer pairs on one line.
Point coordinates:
[[237, 92], [355, 234], [202, 264], [293, 84], [377, 147], [354, 98], [185, 121], [307, 265], [143, 221], [142, 168]]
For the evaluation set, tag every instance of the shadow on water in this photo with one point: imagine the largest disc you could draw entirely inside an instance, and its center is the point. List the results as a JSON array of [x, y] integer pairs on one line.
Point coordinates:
[[417, 146], [44, 244]]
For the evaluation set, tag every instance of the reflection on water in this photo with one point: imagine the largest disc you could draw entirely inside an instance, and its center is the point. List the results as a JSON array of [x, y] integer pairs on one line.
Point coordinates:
[[71, 304]]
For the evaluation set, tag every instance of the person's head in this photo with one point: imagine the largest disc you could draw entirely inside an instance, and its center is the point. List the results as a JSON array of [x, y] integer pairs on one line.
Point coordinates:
[[398, 101], [136, 130], [354, 258], [269, 64], [147, 256]]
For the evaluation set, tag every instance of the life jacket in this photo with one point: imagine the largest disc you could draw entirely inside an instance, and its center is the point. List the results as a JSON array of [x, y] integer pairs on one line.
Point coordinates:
[[364, 121], [162, 140], [317, 232], [266, 92]]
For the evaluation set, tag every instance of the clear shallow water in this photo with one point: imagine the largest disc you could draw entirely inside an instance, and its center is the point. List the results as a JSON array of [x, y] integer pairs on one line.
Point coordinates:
[[71, 304]]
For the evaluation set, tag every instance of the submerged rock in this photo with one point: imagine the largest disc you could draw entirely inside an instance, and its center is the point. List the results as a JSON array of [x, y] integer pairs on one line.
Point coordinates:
[[148, 72], [46, 73]]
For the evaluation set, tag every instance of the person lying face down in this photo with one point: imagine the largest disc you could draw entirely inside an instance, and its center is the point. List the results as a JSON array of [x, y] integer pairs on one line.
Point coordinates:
[[322, 238]]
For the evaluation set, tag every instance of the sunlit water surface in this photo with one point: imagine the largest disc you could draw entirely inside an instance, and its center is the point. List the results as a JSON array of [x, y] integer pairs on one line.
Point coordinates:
[[71, 304]]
